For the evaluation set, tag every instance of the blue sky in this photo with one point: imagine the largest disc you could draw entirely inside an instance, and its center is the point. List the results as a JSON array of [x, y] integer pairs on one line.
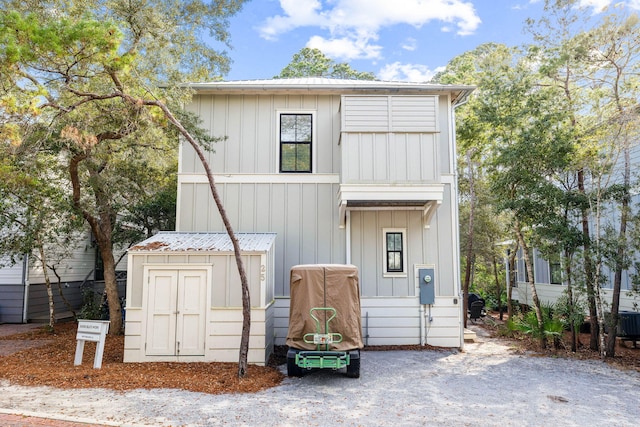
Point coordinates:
[[394, 39]]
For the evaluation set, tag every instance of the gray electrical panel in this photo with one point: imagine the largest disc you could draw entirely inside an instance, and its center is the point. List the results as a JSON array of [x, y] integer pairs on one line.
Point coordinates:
[[426, 280]]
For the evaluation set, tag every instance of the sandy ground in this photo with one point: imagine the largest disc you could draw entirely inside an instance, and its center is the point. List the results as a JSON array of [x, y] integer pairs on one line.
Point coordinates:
[[485, 385]]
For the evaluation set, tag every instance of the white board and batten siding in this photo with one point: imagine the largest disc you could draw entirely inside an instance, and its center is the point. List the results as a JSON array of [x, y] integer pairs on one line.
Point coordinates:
[[302, 214], [390, 140], [375, 145], [184, 298], [250, 125]]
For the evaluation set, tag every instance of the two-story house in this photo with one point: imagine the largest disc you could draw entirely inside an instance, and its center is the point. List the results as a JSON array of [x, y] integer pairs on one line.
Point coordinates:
[[312, 170], [549, 274]]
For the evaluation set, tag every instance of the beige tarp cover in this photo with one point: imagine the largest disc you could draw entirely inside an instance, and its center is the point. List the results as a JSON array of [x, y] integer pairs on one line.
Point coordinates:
[[325, 285]]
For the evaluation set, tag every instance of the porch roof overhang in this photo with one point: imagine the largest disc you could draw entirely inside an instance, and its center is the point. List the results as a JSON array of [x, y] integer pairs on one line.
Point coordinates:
[[424, 197]]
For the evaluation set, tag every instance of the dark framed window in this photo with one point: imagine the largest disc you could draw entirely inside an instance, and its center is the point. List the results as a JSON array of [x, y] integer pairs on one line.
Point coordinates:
[[296, 133], [555, 271], [395, 252]]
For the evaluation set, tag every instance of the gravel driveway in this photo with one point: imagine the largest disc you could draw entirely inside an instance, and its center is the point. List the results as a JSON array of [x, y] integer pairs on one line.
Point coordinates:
[[485, 385]]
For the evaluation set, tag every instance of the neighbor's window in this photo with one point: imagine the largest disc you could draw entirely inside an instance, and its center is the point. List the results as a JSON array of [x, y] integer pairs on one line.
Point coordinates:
[[295, 142], [395, 251], [523, 271], [555, 271]]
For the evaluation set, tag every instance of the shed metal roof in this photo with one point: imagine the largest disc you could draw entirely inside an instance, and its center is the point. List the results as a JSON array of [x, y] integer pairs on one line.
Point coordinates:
[[170, 241], [323, 85]]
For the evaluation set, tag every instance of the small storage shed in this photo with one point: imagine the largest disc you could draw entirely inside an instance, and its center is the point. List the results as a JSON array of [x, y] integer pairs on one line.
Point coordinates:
[[184, 298]]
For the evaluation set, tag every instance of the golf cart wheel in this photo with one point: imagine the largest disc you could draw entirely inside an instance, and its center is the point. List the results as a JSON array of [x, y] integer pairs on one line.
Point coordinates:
[[293, 370], [353, 368]]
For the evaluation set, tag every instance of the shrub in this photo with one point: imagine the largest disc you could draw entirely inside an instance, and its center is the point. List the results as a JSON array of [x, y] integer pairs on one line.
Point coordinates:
[[527, 323], [91, 305]]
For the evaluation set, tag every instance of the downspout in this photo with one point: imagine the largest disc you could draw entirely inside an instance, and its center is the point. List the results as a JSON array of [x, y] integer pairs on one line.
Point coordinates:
[[25, 284], [347, 239], [421, 316]]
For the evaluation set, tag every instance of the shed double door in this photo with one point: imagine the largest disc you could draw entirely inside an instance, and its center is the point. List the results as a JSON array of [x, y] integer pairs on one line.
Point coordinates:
[[176, 312]]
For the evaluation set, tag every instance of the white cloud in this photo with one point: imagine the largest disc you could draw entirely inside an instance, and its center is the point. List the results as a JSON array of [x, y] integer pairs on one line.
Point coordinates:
[[359, 21], [346, 47], [301, 12], [411, 44], [407, 72], [597, 5]]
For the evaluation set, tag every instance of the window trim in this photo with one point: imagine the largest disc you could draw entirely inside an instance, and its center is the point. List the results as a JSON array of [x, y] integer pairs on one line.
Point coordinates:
[[385, 272], [279, 114]]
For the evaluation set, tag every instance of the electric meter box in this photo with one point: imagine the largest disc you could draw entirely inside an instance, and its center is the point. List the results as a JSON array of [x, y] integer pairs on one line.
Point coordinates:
[[426, 280]]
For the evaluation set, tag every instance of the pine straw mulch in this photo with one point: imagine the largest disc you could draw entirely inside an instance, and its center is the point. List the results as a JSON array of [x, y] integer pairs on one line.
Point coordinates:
[[626, 356], [51, 364]]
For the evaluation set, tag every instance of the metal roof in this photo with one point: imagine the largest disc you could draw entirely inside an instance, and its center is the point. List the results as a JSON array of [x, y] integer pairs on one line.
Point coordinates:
[[323, 85], [173, 241]]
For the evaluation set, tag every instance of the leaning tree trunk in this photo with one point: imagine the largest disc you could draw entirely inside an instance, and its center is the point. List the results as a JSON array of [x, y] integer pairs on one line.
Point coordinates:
[[532, 285], [246, 297], [246, 301]]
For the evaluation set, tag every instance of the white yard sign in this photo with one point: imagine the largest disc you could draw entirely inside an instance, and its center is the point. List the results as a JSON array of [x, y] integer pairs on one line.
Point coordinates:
[[95, 331]]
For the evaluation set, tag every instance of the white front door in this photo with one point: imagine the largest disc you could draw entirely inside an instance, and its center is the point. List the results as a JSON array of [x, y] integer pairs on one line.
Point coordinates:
[[176, 308]]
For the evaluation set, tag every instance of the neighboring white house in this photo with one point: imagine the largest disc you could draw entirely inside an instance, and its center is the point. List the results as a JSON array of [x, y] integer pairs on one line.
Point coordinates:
[[550, 286], [341, 171], [23, 293], [549, 274]]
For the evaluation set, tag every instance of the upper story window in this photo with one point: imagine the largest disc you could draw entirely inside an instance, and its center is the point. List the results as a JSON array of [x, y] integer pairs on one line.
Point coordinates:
[[296, 134], [395, 241]]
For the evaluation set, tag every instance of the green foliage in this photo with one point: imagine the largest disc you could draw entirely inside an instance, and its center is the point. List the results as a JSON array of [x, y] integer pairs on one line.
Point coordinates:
[[80, 111], [571, 313], [484, 285], [152, 212], [91, 305], [166, 36], [527, 323], [313, 63]]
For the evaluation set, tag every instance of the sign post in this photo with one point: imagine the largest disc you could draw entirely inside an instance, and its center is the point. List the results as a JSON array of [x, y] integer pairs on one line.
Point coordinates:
[[95, 331]]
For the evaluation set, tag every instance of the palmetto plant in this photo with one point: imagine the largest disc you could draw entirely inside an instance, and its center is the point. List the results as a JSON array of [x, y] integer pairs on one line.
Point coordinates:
[[527, 323]]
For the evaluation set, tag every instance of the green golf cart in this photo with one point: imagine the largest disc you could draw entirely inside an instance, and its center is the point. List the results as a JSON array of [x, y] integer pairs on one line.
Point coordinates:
[[325, 330]]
